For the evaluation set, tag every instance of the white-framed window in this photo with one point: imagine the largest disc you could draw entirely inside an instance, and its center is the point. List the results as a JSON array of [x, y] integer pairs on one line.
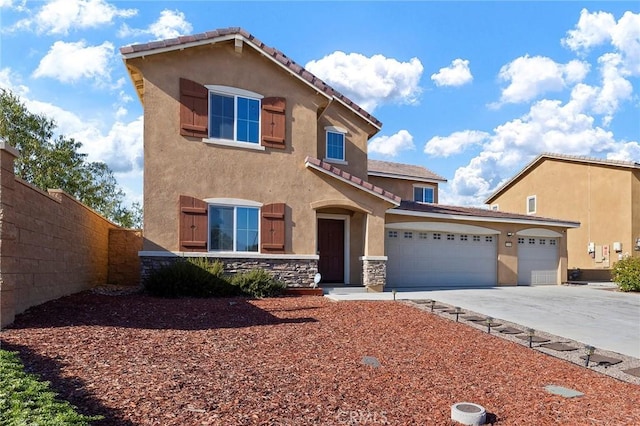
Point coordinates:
[[423, 194], [335, 148], [532, 240], [495, 207], [531, 204], [234, 115], [520, 240], [552, 242], [408, 234], [543, 241], [464, 237], [451, 237], [437, 236], [393, 234], [423, 235], [476, 238], [233, 228], [488, 239]]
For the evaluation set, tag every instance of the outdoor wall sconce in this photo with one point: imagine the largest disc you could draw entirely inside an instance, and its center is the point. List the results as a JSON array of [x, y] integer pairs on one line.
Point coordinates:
[[489, 323], [530, 332], [589, 350], [509, 234]]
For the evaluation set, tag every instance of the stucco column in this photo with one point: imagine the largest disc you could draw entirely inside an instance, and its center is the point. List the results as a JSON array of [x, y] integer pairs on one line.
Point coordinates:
[[374, 262], [7, 233]]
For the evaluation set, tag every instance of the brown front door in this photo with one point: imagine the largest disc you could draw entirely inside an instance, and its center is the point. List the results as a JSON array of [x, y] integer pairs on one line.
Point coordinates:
[[331, 250]]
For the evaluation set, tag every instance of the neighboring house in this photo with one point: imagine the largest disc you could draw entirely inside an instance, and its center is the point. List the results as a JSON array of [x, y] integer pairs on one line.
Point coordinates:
[[252, 160], [603, 195]]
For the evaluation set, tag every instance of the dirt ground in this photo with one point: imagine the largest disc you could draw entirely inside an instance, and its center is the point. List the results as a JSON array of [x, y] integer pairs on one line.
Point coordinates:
[[139, 360]]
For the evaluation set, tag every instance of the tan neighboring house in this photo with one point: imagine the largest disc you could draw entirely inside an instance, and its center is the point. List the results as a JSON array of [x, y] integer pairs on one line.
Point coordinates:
[[603, 195], [251, 159]]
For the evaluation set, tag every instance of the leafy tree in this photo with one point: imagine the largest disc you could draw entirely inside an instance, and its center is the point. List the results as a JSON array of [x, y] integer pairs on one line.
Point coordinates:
[[47, 161]]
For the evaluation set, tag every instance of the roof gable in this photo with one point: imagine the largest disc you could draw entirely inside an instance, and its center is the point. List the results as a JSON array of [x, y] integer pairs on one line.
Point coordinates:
[[561, 157], [241, 36]]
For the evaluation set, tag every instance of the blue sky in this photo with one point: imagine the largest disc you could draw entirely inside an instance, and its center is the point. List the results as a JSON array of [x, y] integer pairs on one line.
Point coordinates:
[[471, 90]]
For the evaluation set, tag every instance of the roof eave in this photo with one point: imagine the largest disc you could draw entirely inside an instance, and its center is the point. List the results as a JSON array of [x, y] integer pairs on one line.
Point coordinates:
[[472, 218], [405, 177], [228, 37], [309, 164]]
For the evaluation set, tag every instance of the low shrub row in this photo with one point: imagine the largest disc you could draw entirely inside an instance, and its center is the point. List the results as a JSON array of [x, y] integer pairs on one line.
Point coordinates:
[[199, 277]]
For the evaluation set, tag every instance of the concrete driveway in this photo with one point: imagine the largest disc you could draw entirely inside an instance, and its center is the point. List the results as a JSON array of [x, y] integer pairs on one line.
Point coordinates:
[[592, 314]]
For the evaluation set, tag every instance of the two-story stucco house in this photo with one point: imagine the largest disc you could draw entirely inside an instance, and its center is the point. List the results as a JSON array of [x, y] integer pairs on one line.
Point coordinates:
[[603, 195], [251, 159]]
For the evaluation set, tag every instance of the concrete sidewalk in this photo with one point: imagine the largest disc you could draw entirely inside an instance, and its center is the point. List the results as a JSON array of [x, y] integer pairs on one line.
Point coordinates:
[[592, 314]]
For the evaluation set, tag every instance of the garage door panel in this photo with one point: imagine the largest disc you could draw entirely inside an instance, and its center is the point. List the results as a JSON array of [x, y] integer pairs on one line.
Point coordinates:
[[421, 259], [537, 261]]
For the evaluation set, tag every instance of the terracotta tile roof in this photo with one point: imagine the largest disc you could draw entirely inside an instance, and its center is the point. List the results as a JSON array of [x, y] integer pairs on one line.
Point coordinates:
[[229, 33], [351, 179], [402, 171], [563, 157], [440, 209]]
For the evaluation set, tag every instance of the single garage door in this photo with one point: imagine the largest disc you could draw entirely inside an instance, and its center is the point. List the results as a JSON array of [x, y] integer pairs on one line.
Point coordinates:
[[537, 261], [440, 259]]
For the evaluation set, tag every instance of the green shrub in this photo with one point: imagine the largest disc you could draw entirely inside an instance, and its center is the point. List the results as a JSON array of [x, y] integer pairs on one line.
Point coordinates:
[[25, 400], [190, 277], [626, 273], [258, 283]]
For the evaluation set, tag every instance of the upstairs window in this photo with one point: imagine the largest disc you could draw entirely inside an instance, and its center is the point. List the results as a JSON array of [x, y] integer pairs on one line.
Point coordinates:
[[335, 144], [531, 204], [234, 116], [423, 194]]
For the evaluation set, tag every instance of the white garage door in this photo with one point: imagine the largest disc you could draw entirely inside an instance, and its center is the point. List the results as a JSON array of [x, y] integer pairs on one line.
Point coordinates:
[[537, 261], [440, 259]]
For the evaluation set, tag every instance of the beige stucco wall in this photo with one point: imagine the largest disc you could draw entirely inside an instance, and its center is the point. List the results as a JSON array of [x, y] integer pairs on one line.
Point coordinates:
[[50, 244], [600, 197], [403, 188], [176, 165], [507, 257]]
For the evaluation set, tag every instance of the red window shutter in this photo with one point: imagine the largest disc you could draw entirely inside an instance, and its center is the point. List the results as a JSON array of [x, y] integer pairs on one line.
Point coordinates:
[[272, 228], [194, 109], [273, 122], [194, 224]]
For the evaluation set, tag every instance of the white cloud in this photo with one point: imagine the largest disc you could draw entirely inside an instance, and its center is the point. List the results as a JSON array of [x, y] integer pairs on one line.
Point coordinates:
[[456, 74], [454, 143], [392, 145], [71, 62], [530, 77], [626, 38], [549, 126], [11, 81], [370, 81], [591, 30], [60, 16], [170, 24]]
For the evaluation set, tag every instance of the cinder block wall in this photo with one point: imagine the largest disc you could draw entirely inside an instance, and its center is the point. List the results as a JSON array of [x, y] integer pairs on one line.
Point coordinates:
[[51, 245], [124, 262]]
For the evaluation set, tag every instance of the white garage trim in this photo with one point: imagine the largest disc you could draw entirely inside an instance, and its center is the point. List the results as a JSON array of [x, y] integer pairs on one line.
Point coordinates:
[[456, 228], [539, 232]]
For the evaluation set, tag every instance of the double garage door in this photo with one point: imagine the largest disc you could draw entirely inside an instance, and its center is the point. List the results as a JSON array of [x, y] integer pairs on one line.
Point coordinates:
[[425, 259]]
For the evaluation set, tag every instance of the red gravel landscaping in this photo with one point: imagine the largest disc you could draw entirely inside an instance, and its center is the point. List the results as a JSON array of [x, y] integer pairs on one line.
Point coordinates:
[[139, 360]]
